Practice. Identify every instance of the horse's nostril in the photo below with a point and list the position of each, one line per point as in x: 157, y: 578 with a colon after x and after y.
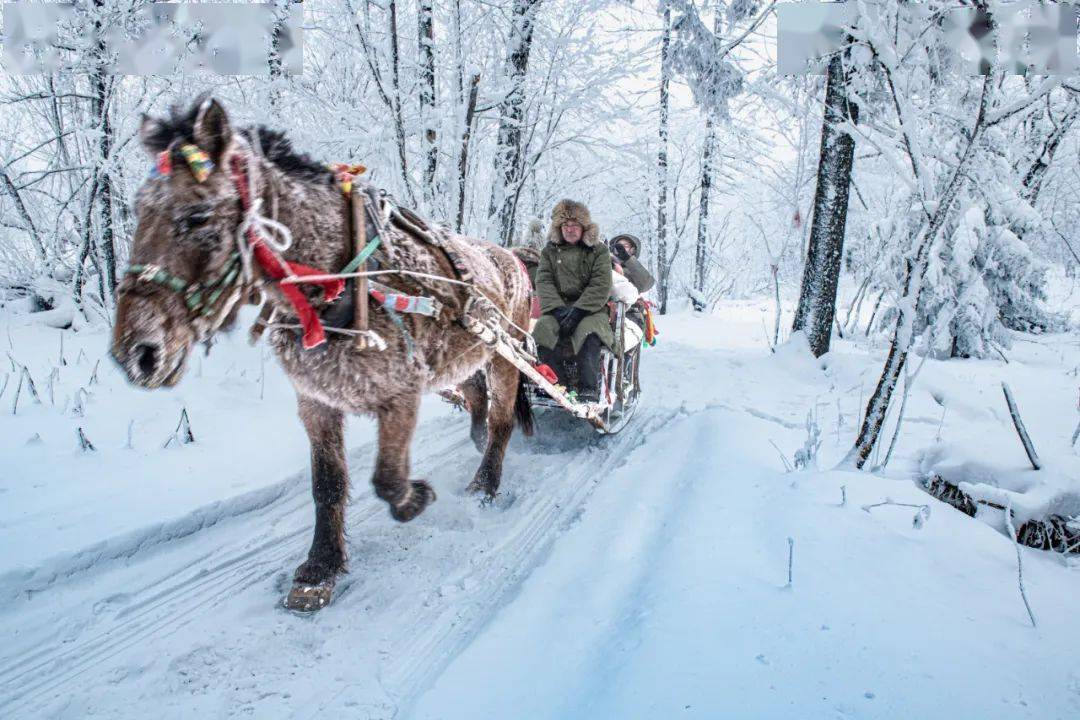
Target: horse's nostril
x: 146, y: 357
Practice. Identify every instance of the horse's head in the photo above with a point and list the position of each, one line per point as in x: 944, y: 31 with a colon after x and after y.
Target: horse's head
x: 185, y: 273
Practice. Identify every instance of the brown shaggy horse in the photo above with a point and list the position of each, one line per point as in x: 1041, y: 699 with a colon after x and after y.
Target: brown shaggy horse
x: 190, y: 228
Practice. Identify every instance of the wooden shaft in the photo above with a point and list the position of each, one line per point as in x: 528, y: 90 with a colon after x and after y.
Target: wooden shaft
x: 507, y: 350
x: 360, y: 289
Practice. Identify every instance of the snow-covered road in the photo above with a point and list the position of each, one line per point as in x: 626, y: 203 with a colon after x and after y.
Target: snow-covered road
x: 642, y: 575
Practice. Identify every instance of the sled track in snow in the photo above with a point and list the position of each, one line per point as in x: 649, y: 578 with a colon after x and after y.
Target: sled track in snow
x: 44, y: 666
x: 449, y: 627
x: 169, y: 602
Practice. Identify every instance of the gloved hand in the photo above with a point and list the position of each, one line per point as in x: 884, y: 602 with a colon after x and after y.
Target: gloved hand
x: 570, y: 321
x: 620, y: 252
x: 560, y: 312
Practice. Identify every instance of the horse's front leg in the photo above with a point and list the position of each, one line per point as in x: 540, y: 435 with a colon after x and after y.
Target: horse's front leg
x: 314, y: 580
x: 397, y: 423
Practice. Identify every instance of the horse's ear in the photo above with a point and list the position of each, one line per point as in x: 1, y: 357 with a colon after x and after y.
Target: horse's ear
x: 152, y: 134
x: 212, y: 132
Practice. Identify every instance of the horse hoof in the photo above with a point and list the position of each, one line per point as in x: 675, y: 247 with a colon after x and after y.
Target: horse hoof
x: 309, y: 598
x: 420, y: 496
x: 479, y: 486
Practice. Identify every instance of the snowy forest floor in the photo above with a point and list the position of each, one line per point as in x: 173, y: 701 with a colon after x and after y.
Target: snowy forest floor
x: 643, y: 575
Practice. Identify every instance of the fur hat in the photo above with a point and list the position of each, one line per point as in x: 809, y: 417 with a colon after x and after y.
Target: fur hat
x: 634, y: 242
x: 534, y: 235
x: 565, y: 210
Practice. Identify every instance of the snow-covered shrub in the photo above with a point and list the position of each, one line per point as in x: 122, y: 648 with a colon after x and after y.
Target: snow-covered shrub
x: 982, y: 281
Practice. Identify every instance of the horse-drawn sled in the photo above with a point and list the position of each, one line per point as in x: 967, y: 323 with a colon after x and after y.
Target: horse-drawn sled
x: 620, y: 387
x: 366, y: 306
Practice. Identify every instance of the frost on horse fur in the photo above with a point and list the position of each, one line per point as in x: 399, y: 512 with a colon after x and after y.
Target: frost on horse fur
x: 189, y: 230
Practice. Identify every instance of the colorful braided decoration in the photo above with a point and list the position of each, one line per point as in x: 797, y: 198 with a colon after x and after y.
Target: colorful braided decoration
x: 200, y: 163
x: 345, y: 174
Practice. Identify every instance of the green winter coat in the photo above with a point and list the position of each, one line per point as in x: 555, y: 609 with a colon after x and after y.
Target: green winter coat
x: 577, y: 275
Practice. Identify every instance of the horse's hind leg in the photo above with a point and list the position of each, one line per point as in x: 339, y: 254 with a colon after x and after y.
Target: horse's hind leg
x: 502, y: 381
x: 313, y: 581
x: 407, y: 498
x: 476, y: 394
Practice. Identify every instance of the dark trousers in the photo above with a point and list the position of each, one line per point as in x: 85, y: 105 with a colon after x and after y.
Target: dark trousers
x: 587, y: 362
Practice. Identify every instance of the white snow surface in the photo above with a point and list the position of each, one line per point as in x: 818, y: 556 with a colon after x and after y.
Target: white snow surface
x: 643, y: 575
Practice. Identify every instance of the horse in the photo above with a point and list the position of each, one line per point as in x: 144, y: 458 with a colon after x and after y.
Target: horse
x: 203, y: 246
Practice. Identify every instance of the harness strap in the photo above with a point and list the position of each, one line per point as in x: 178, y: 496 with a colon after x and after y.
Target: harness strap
x: 399, y: 302
x: 362, y: 256
x: 200, y: 298
x: 277, y: 269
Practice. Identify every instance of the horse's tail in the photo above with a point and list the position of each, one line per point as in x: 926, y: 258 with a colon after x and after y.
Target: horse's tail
x: 523, y: 409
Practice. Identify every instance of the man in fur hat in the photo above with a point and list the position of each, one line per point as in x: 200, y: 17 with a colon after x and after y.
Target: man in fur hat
x: 573, y: 282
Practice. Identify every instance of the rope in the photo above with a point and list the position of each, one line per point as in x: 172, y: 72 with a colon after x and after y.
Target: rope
x: 375, y: 338
x: 411, y: 273
x: 275, y: 235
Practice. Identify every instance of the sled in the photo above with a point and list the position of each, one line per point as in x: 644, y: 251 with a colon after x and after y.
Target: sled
x: 619, y: 385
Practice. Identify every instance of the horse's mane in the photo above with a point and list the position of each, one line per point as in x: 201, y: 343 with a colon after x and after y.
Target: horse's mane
x: 273, y: 144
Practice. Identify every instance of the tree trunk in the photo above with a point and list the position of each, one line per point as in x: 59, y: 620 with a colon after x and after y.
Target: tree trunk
x: 28, y: 220
x: 426, y: 51
x: 511, y: 114
x: 878, y: 406
x: 701, y: 247
x: 395, y: 79
x: 99, y: 109
x: 463, y: 156
x: 817, y: 299
x: 1033, y: 178
x: 276, y: 67
x: 663, y: 263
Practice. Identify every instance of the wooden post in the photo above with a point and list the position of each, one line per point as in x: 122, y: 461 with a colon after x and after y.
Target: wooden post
x: 360, y: 289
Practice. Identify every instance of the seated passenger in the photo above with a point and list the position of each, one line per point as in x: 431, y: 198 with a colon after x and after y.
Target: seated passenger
x: 573, y: 281
x: 624, y: 253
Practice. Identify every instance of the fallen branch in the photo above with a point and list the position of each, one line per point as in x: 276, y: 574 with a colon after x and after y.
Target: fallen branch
x: 1029, y: 448
x: 921, y: 516
x: 1052, y: 532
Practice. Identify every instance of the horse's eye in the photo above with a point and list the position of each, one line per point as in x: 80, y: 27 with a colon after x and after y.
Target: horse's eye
x: 193, y: 219
x: 194, y: 227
